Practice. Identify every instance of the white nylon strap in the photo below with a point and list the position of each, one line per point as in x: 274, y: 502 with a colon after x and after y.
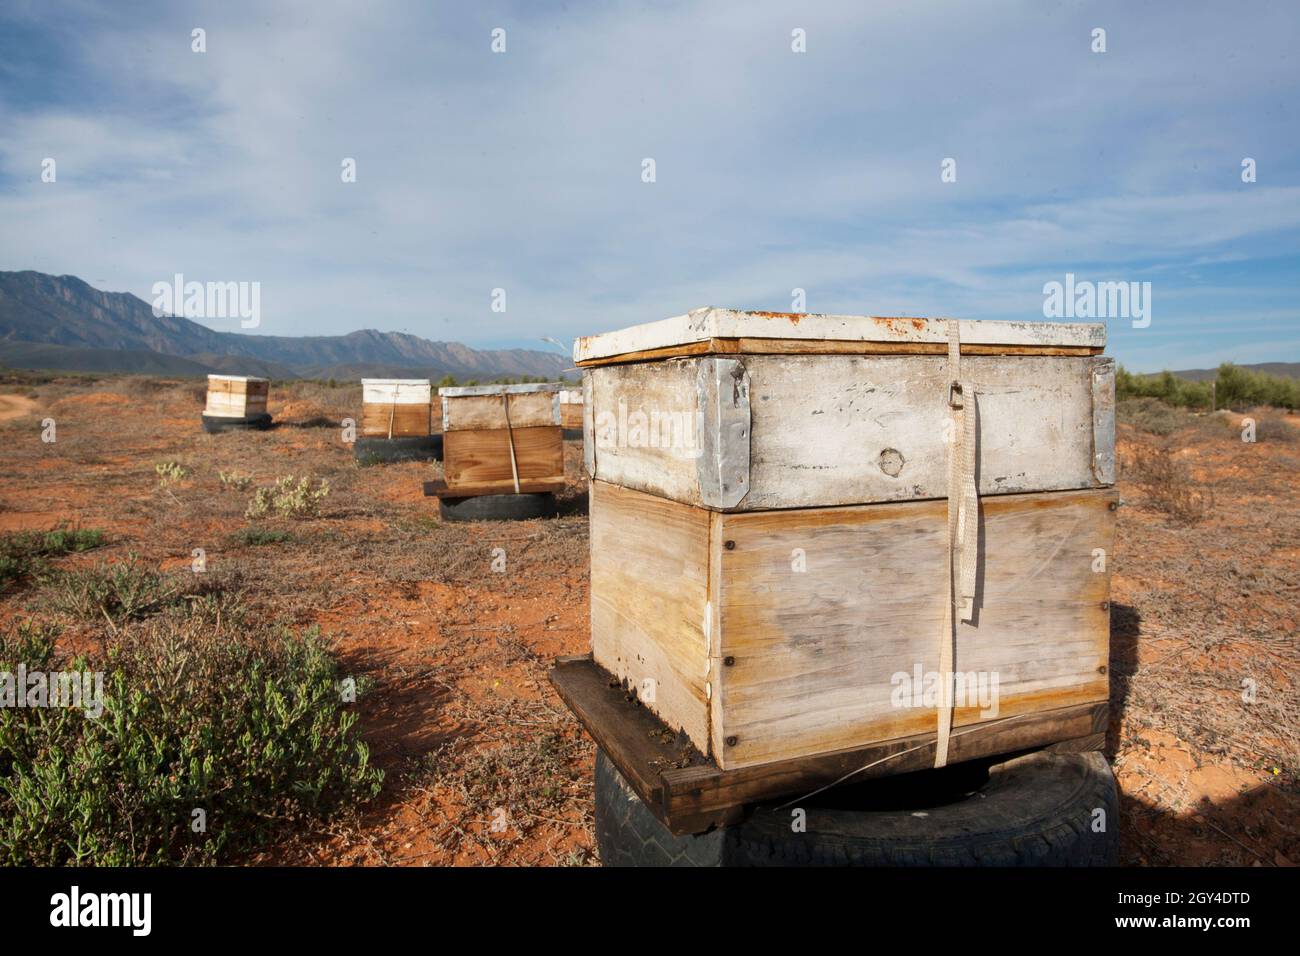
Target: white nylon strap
x: 963, y: 531
x: 510, y: 437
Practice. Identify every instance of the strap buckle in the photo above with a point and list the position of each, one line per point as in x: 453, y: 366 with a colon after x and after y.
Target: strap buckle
x: 955, y: 397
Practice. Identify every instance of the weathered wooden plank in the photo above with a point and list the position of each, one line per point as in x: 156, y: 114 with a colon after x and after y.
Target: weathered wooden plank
x: 649, y: 596
x: 482, y: 458
x: 838, y: 429
x: 405, y: 420
x: 702, y: 325
x: 646, y: 428
x: 692, y: 797
x: 816, y: 653
x: 636, y: 741
x: 477, y: 412
x: 798, y: 347
x: 571, y: 416
x: 396, y: 391
x: 690, y: 794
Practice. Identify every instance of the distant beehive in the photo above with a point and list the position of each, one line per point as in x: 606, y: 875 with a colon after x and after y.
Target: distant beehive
x: 396, y: 407
x: 571, y: 409
x: 502, y: 439
x: 236, y: 396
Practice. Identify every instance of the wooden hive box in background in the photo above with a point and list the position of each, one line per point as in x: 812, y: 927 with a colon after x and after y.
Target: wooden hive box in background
x: 502, y: 439
x: 571, y: 409
x: 236, y: 396
x: 769, y: 528
x: 396, y: 407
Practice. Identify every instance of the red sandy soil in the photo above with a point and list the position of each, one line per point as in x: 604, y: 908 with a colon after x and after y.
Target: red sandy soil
x: 458, y: 711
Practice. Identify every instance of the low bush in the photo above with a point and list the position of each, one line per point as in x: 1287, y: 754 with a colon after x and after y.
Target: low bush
x: 169, y: 472
x: 210, y: 740
x: 1152, y: 416
x: 289, y: 498
x: 235, y: 480
x: 1167, y: 483
x: 254, y: 537
x: 1232, y: 387
x: 26, y: 553
x: 1272, y: 427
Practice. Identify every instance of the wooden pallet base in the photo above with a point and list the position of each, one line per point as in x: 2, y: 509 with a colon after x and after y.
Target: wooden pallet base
x: 527, y: 486
x: 689, y: 794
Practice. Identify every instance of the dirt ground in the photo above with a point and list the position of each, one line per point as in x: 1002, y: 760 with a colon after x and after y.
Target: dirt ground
x: 450, y: 628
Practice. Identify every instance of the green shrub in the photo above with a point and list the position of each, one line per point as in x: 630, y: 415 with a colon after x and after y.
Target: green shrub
x: 1241, y: 388
x: 128, y: 591
x: 114, y: 592
x: 169, y: 472
x: 1233, y: 387
x: 25, y: 553
x: 259, y: 536
x: 288, y: 498
x: 234, y: 479
x: 247, y: 728
x: 1165, y: 386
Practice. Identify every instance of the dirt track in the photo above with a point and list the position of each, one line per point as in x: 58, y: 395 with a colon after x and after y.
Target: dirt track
x: 15, y: 406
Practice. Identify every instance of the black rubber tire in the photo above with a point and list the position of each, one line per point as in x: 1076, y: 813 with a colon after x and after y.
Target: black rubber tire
x: 1034, y: 810
x: 214, y: 425
x: 627, y: 834
x: 380, y: 450
x: 498, y: 507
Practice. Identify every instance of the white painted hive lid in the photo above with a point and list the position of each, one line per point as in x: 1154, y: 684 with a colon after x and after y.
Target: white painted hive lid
x: 398, y: 391
x: 236, y: 378
x: 461, y: 391
x: 700, y: 325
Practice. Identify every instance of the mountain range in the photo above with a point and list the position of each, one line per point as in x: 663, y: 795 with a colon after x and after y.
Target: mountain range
x: 61, y: 322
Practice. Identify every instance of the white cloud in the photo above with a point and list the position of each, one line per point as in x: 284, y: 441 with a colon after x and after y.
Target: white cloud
x: 775, y: 169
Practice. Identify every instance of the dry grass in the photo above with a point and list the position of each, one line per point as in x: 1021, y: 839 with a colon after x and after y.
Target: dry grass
x: 460, y: 712
x: 1153, y: 416
x: 1166, y: 482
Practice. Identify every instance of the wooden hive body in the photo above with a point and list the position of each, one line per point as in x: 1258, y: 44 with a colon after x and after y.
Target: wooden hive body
x: 502, y: 439
x: 396, y: 407
x: 571, y: 408
x: 769, y: 526
x: 236, y: 396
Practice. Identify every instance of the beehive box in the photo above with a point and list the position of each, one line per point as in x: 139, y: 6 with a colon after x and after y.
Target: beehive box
x: 236, y: 396
x: 571, y: 409
x: 502, y: 439
x: 396, y: 407
x: 770, y: 539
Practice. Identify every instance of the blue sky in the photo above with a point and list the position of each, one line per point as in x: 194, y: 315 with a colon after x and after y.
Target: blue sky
x: 774, y: 170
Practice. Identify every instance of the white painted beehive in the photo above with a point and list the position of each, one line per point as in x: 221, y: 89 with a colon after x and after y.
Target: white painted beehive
x: 396, y: 407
